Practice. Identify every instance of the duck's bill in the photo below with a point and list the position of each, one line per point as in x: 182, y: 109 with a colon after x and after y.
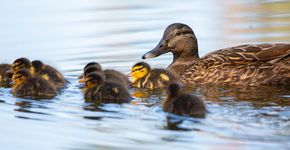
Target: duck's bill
x: 160, y: 49
x: 81, y: 79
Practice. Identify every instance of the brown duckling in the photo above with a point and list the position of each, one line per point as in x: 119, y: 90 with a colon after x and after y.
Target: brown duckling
x: 243, y: 65
x: 145, y: 77
x: 5, y: 77
x: 101, y: 91
x: 109, y: 74
x: 49, y: 73
x: 180, y: 103
x: 27, y: 86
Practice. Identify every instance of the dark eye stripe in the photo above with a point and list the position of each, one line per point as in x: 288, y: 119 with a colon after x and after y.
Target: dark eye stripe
x: 18, y: 76
x: 137, y: 69
x: 15, y: 66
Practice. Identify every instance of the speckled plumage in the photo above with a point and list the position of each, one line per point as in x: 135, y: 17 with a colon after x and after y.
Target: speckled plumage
x: 244, y: 65
x: 53, y: 75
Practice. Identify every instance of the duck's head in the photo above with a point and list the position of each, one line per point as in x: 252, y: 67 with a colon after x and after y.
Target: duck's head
x: 88, y: 70
x: 21, y: 63
x: 36, y: 66
x: 140, y: 70
x: 179, y: 39
x: 20, y: 76
x: 94, y: 79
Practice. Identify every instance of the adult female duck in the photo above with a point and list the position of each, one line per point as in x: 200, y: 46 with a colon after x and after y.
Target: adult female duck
x: 246, y: 65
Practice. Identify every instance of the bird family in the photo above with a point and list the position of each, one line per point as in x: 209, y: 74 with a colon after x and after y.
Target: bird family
x: 243, y: 65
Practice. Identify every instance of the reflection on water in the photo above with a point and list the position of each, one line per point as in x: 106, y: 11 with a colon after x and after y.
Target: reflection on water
x: 68, y: 34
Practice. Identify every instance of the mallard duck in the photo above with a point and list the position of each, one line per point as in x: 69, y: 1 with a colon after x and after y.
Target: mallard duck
x: 28, y: 86
x: 181, y: 103
x: 5, y: 78
x: 109, y: 74
x: 100, y: 91
x: 49, y: 73
x: 145, y: 77
x: 243, y: 65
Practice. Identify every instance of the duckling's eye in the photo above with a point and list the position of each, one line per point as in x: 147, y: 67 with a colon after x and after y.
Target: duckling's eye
x: 178, y: 33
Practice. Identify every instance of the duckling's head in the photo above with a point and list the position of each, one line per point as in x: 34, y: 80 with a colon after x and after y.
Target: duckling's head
x: 88, y: 70
x: 140, y: 70
x: 20, y: 76
x: 21, y: 63
x: 173, y: 89
x: 36, y: 66
x: 179, y: 39
x: 95, y: 64
x: 94, y: 79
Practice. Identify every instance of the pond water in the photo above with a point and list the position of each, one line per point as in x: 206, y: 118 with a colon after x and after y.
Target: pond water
x: 70, y: 33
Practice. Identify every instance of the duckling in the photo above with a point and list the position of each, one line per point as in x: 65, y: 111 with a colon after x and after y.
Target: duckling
x: 181, y: 103
x: 101, y: 91
x: 110, y: 74
x: 49, y: 73
x: 145, y: 77
x: 28, y: 86
x: 5, y: 78
x: 243, y: 65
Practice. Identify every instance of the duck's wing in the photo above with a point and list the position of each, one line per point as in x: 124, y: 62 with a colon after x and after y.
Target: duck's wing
x: 270, y: 53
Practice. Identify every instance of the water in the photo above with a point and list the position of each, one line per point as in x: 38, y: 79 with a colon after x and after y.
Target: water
x: 69, y: 33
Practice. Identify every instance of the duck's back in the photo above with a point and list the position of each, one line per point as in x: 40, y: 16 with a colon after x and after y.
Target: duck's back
x: 158, y: 78
x: 54, y: 75
x: 253, y: 65
x: 116, y: 76
x: 248, y: 54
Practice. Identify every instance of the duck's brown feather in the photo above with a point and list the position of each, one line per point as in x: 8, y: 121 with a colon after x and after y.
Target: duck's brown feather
x: 261, y: 64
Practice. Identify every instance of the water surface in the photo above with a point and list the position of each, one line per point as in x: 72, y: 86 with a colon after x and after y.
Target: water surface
x: 70, y: 33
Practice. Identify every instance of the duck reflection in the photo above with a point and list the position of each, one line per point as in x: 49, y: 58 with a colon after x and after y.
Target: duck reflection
x: 257, y: 96
x: 25, y: 107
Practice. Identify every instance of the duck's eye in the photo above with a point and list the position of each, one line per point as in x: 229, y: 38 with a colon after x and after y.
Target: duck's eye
x: 161, y: 45
x: 178, y: 33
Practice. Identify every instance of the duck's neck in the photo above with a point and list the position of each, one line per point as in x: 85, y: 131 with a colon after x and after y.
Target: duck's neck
x: 182, y: 61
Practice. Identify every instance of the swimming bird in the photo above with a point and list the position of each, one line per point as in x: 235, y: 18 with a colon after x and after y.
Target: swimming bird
x: 5, y: 78
x: 145, y: 77
x: 49, y: 73
x: 180, y: 103
x: 109, y: 74
x: 28, y: 86
x: 100, y: 91
x: 243, y: 65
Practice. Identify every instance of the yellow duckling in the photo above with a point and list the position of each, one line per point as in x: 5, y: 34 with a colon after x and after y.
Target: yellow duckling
x: 180, y: 103
x: 145, y: 77
x: 49, y: 73
x: 27, y: 86
x: 5, y: 78
x: 109, y: 74
x: 100, y: 91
